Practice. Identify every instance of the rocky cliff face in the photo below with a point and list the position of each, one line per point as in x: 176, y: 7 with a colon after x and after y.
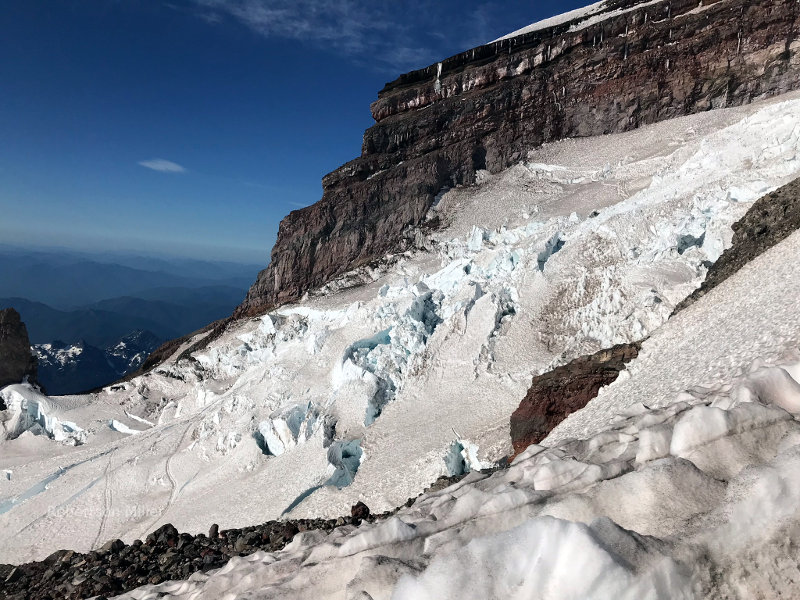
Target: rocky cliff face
x: 631, y: 64
x: 16, y: 360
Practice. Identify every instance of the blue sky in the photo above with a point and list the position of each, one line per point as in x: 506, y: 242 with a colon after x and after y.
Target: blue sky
x: 191, y: 127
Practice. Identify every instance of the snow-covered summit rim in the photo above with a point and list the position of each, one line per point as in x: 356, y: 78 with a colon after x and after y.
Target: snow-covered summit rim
x: 581, y: 18
x: 556, y: 20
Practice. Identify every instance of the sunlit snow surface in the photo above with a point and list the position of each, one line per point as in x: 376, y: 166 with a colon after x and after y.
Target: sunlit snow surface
x: 364, y: 393
x: 698, y: 499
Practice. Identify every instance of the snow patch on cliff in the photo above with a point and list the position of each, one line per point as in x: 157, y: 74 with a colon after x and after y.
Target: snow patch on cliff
x: 556, y: 20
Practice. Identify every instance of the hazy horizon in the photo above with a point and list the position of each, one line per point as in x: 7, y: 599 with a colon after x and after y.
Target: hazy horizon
x: 156, y: 249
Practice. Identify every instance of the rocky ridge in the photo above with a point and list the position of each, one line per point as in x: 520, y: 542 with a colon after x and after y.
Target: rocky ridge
x: 633, y: 63
x: 16, y: 359
x: 164, y: 555
x: 769, y: 221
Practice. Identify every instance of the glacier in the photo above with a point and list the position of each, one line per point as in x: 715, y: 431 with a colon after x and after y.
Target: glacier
x: 695, y: 499
x: 370, y: 392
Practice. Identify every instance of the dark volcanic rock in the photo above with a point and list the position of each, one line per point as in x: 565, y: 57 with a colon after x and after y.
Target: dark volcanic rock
x: 554, y: 395
x: 165, y: 555
x: 16, y: 359
x: 359, y: 511
x: 485, y: 108
x: 769, y: 221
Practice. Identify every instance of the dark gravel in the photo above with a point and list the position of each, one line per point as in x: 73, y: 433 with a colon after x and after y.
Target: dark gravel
x: 164, y: 555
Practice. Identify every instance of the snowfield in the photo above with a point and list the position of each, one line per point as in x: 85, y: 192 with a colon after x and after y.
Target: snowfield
x: 697, y: 499
x: 371, y: 392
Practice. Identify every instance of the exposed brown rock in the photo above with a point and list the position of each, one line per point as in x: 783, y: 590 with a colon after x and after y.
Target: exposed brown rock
x: 485, y: 108
x: 16, y: 359
x: 555, y: 395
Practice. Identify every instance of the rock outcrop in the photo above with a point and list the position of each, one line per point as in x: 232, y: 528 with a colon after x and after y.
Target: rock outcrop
x: 16, y: 360
x: 769, y: 221
x: 555, y: 395
x: 630, y: 64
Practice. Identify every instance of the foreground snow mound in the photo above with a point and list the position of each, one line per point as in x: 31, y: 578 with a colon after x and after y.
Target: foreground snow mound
x: 695, y: 500
x: 370, y: 393
x: 546, y: 558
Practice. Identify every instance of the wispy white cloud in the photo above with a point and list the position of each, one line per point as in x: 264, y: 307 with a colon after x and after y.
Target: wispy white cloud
x: 370, y: 31
x: 162, y: 166
x: 344, y: 23
x: 390, y: 36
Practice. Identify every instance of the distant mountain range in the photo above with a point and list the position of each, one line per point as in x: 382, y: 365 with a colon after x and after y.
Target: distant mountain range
x: 104, y: 323
x: 74, y: 368
x: 66, y: 280
x: 92, y: 321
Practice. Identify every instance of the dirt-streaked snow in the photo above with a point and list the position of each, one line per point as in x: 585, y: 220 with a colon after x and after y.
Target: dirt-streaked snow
x: 370, y: 392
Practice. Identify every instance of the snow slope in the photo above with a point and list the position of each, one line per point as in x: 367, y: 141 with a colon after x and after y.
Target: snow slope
x: 372, y: 392
x: 742, y: 327
x: 695, y: 499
